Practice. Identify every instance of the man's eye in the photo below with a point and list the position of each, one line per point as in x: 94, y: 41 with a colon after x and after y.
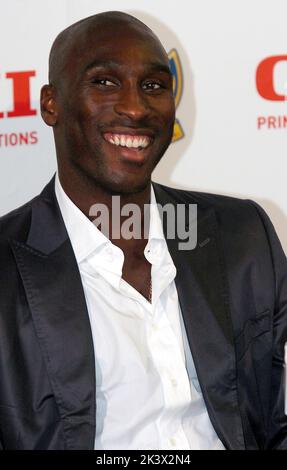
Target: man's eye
x: 150, y: 86
x: 104, y: 82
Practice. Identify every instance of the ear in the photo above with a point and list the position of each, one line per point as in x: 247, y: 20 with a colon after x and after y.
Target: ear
x: 49, y: 108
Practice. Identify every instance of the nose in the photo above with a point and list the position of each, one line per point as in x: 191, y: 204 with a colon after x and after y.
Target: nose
x: 132, y: 103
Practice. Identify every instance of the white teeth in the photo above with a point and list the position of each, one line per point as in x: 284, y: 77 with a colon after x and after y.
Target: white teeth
x: 135, y: 143
x: 129, y: 141
x: 143, y: 143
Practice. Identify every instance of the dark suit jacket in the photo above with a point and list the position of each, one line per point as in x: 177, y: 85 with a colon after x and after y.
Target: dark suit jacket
x: 233, y: 294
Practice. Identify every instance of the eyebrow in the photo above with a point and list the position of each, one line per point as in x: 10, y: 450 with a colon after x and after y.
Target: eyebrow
x: 153, y: 66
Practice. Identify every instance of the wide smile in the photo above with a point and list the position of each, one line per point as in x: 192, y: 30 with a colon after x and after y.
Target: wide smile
x: 127, y: 140
x: 130, y: 147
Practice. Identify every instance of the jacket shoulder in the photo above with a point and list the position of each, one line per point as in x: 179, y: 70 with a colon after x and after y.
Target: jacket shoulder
x: 16, y: 223
x: 204, y: 200
x: 234, y: 215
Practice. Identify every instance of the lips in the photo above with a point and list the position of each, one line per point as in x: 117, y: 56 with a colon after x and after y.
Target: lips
x: 131, y: 141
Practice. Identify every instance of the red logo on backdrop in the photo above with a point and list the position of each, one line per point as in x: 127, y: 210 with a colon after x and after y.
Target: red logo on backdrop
x: 264, y: 78
x: 266, y: 89
x: 21, y: 107
x: 21, y: 94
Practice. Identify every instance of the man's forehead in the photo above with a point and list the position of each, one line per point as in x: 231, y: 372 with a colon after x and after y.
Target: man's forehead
x: 103, y: 36
x: 124, y: 49
x: 116, y: 38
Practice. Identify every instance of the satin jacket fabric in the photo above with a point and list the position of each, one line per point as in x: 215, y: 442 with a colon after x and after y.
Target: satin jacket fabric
x: 233, y: 294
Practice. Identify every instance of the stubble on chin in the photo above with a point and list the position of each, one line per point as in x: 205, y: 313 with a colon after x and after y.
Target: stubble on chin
x: 109, y: 183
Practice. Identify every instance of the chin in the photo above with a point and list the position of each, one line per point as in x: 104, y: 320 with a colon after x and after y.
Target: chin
x: 124, y: 185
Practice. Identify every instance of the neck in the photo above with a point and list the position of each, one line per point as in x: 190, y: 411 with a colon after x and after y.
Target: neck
x: 87, y: 196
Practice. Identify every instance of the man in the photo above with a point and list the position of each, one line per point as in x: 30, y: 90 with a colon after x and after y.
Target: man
x: 134, y: 343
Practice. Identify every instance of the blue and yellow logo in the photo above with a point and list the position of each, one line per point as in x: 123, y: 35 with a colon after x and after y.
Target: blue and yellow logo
x: 176, y: 70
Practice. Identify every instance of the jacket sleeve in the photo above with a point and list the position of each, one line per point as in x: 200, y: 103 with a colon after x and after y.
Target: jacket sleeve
x: 277, y: 428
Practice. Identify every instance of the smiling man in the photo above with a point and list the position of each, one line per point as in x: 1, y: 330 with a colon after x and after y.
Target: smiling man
x: 111, y: 106
x: 119, y: 342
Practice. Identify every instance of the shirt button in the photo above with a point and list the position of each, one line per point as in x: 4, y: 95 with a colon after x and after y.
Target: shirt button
x: 154, y: 327
x: 148, y: 255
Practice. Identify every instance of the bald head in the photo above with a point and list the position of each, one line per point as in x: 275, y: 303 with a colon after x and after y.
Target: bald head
x: 76, y: 36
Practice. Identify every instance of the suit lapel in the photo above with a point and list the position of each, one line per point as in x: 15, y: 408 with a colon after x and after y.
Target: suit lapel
x: 55, y: 295
x: 203, y: 295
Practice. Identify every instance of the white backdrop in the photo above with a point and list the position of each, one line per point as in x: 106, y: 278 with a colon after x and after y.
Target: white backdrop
x: 232, y: 113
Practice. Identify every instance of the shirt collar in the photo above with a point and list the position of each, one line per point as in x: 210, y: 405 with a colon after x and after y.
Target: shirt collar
x: 155, y: 227
x: 85, y: 237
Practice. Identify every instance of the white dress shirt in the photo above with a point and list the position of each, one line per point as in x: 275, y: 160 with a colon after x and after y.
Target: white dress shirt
x: 147, y: 392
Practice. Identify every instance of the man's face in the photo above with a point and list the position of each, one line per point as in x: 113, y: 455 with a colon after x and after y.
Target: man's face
x: 115, y: 108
